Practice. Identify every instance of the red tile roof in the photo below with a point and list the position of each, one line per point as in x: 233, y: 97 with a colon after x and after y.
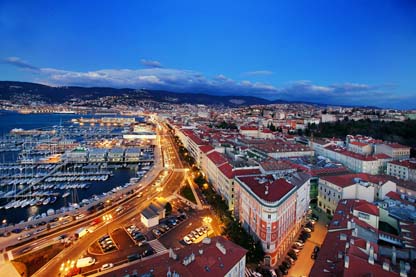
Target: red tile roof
x: 349, y: 179
x: 217, y: 158
x: 266, y: 188
x: 367, y: 208
x: 405, y: 163
x: 248, y: 171
x: 358, y: 143
x: 212, y: 262
x: 206, y: 148
x: 248, y: 128
x: 393, y: 195
x: 227, y: 170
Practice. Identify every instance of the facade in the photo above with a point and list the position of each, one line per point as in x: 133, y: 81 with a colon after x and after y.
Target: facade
x: 360, y: 147
x: 371, y: 164
x: 151, y: 215
x: 402, y: 169
x: 97, y: 155
x: 266, y: 208
x: 132, y: 155
x: 78, y: 155
x: 115, y: 155
x: 394, y: 150
x: 332, y: 189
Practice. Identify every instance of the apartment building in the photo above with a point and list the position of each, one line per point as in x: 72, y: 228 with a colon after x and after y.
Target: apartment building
x: 394, y: 150
x: 402, y: 169
x: 332, y: 189
x: 267, y: 208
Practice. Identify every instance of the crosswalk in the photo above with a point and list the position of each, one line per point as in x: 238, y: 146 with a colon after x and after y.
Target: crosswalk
x: 251, y: 273
x: 157, y: 246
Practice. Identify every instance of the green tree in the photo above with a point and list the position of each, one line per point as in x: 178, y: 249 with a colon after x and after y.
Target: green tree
x: 168, y: 208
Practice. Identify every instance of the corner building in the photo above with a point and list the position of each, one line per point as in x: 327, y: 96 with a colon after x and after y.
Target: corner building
x: 266, y: 207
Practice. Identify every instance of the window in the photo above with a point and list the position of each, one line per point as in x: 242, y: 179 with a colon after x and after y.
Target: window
x: 269, y: 216
x: 363, y: 215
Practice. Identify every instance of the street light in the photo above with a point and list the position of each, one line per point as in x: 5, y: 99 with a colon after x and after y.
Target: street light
x: 4, y: 224
x: 207, y: 221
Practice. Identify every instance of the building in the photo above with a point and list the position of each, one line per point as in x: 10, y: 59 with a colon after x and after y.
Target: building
x: 331, y: 189
x: 78, y: 155
x: 402, y: 169
x: 266, y: 208
x: 356, y: 245
x: 371, y: 164
x: 394, y: 150
x: 97, y: 155
x: 360, y: 147
x: 215, y: 256
x: 151, y: 215
x: 116, y: 155
x: 132, y: 154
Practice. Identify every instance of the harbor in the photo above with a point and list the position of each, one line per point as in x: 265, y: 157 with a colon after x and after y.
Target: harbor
x: 62, y: 167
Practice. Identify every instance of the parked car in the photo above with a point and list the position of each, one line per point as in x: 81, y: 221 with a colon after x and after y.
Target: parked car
x: 314, y: 255
x: 187, y: 240
x: 316, y: 249
x: 290, y: 260
x: 292, y: 255
x: 287, y: 264
x: 106, y: 266
x: 307, y: 230
x: 156, y: 232
x: 283, y: 269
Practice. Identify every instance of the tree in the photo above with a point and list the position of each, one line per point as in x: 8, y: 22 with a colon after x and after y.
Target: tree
x: 168, y: 208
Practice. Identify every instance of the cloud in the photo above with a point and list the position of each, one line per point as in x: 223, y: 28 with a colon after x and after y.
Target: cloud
x: 258, y: 73
x: 16, y: 61
x: 150, y: 63
x: 182, y: 80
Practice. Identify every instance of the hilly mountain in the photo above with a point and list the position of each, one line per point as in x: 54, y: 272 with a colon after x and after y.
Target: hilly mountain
x: 10, y: 90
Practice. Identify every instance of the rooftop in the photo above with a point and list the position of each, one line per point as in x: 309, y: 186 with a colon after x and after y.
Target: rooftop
x: 266, y: 187
x: 208, y: 260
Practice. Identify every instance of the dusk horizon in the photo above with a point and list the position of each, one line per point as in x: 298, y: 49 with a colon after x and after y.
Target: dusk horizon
x: 333, y: 53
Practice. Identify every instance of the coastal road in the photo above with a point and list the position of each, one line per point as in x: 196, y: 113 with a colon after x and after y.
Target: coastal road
x: 166, y: 189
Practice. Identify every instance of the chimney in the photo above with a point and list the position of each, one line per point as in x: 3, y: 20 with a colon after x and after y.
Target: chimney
x: 394, y: 256
x: 346, y: 261
x: 371, y: 256
x: 367, y: 247
x: 386, y: 266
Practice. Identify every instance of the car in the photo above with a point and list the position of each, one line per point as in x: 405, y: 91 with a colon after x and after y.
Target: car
x: 17, y: 231
x: 307, y: 230
x: 148, y: 252
x: 292, y: 255
x: 314, y: 255
x: 316, y: 249
x: 195, y: 233
x: 156, y: 232
x: 283, y: 269
x: 25, y: 236
x: 287, y: 264
x: 187, y: 240
x: 28, y: 227
x: 173, y: 221
x: 165, y: 227
x: 273, y: 273
x: 201, y: 231
x: 290, y: 260
x: 296, y: 251
x: 103, y: 238
x: 298, y: 244
x: 106, y: 266
x: 295, y: 246
x: 314, y: 217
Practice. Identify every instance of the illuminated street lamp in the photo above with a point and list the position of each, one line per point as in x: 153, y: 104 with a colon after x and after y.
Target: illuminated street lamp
x: 207, y: 221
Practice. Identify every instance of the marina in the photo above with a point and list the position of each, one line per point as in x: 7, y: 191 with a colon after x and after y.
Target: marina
x: 60, y: 168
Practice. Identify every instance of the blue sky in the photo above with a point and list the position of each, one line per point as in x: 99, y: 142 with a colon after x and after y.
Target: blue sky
x: 337, y: 52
